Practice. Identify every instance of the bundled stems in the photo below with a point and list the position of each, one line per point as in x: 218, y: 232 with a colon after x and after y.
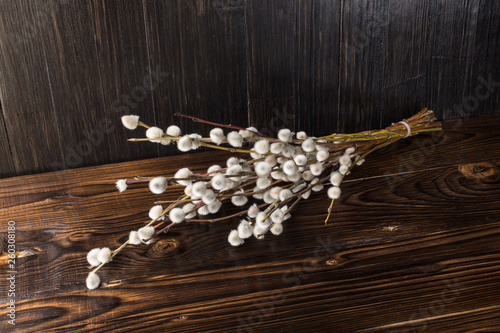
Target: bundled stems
x: 266, y: 187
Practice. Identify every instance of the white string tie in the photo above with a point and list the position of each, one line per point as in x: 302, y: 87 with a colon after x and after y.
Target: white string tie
x: 407, y: 128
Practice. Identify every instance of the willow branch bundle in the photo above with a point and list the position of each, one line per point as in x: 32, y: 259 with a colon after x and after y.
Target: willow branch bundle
x: 266, y: 186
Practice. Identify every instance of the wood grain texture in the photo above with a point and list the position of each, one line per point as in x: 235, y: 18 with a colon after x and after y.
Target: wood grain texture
x: 453, y: 57
x: 317, y: 69
x: 483, y: 52
x: 361, y: 64
x: 7, y: 165
x: 30, y: 125
x: 409, y: 55
x: 201, y: 44
x: 69, y: 45
x: 271, y: 64
x: 412, y: 250
x: 69, y: 69
x: 126, y: 74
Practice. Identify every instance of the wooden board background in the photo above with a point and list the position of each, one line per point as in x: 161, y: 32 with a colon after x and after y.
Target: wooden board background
x: 70, y: 69
x: 412, y: 246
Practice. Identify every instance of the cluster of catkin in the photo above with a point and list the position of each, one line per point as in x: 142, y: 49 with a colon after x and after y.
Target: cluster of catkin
x: 266, y: 179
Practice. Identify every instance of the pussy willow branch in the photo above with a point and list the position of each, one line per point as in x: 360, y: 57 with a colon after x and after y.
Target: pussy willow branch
x: 328, y: 159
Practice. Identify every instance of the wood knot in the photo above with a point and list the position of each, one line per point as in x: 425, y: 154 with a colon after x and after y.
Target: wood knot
x: 332, y: 262
x: 163, y: 247
x: 484, y: 171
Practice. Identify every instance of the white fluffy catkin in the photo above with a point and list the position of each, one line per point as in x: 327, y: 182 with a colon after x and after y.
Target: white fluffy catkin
x: 93, y: 281
x: 153, y: 133
x: 183, y: 173
x: 92, y: 257
x: 218, y: 181
x: 146, y: 233
x: 176, y: 215
x: 234, y: 239
x: 245, y: 230
x: 173, y: 131
x: 121, y: 185
x: 130, y: 121
x: 277, y: 229
x: 104, y: 254
x: 158, y: 185
x: 134, y: 238
x: 155, y: 212
x: 217, y: 135
x: 334, y: 192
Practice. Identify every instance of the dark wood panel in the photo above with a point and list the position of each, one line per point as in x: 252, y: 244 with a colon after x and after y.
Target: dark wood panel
x: 406, y: 58
x: 362, y: 64
x: 317, y: 66
x: 70, y: 54
x: 6, y: 164
x: 219, y: 58
x: 201, y: 44
x: 127, y: 76
x: 409, y: 55
x: 453, y: 34
x: 485, y: 61
x: 421, y: 255
x: 29, y: 123
x: 271, y: 31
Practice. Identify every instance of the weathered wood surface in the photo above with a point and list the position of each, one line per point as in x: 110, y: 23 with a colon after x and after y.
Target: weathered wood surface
x: 70, y: 69
x: 412, y: 246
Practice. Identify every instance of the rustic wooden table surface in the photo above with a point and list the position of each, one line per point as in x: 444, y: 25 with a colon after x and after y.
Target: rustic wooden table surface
x: 413, y: 245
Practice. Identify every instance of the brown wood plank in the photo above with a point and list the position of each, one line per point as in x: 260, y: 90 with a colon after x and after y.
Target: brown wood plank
x: 427, y: 152
x: 127, y: 80
x: 219, y: 30
x: 419, y: 255
x: 70, y: 54
x: 30, y: 134
x: 201, y: 44
x: 271, y: 31
x: 6, y: 165
x: 461, y: 142
x: 317, y: 68
x: 464, y: 50
x: 404, y: 56
x: 484, y: 55
x: 362, y: 64
x: 404, y: 28
x: 456, y: 29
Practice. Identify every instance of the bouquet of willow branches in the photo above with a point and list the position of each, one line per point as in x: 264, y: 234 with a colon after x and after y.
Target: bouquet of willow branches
x: 267, y: 185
